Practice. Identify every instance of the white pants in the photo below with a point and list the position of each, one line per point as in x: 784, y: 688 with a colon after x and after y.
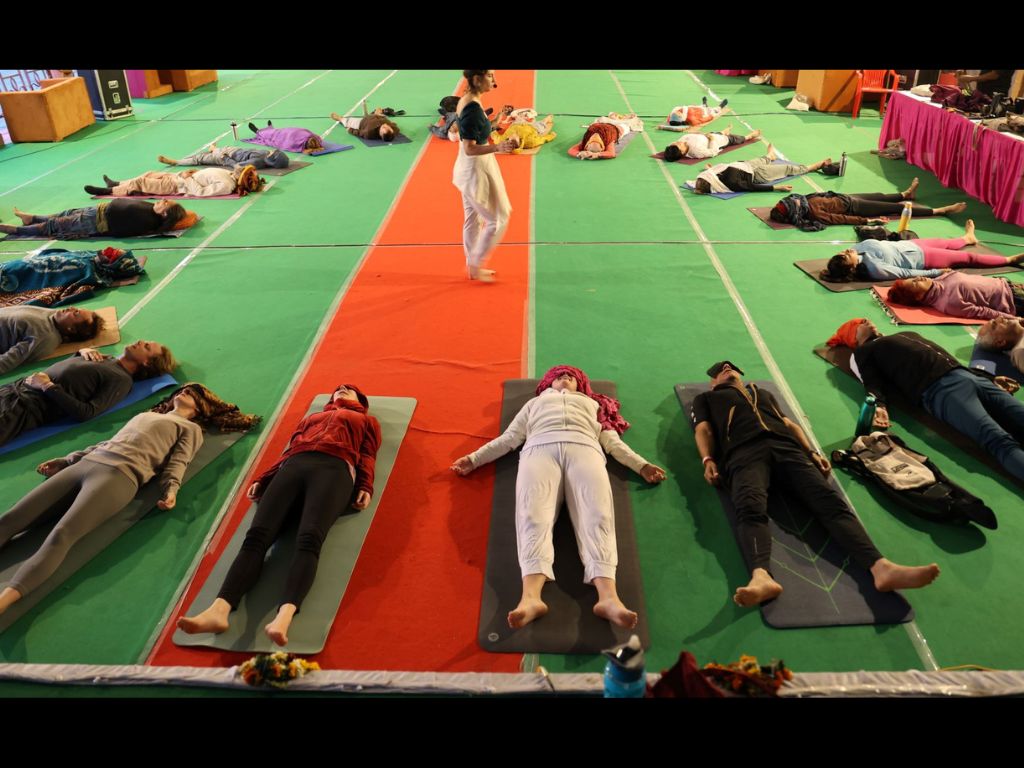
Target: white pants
x: 482, y: 229
x: 578, y: 474
x: 352, y: 122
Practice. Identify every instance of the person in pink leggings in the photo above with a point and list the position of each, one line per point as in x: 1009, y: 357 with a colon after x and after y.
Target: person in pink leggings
x: 896, y: 259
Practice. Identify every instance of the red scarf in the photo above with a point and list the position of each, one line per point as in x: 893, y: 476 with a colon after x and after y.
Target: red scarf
x: 608, y: 407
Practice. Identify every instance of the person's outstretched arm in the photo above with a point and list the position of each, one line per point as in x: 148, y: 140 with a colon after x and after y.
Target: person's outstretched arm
x: 616, y: 447
x: 177, y: 462
x: 507, y: 441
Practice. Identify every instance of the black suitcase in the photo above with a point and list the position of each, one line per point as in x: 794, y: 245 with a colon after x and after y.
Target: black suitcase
x: 108, y: 92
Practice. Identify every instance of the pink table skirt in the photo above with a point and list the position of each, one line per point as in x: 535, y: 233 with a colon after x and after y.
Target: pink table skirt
x: 736, y: 72
x: 985, y: 164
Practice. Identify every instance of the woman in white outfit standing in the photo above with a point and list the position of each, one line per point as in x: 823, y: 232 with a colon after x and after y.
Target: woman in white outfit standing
x: 478, y: 178
x: 567, y: 429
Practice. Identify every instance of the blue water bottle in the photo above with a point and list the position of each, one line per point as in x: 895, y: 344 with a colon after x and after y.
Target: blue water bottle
x: 624, y: 674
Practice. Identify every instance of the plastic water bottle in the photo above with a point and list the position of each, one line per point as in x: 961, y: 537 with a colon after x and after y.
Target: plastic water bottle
x: 624, y: 674
x: 905, y: 217
x: 866, y: 419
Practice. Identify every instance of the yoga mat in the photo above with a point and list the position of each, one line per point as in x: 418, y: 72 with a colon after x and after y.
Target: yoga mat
x: 235, y: 196
x: 696, y: 160
x: 293, y: 165
x: 822, y: 586
x: 688, y: 186
x: 903, y: 314
x: 399, y: 139
x: 996, y: 363
x: 570, y: 625
x: 620, y: 145
x: 764, y: 214
x: 23, y: 547
x: 111, y: 334
x: 139, y: 391
x: 108, y: 236
x: 308, y: 632
x: 811, y: 268
x: 840, y: 358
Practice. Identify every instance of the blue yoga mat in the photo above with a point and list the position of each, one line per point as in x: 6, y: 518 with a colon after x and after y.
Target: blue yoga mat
x: 140, y: 391
x: 996, y: 363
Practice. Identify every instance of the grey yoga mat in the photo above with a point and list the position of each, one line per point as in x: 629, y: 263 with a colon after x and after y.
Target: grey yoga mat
x: 840, y: 357
x: 812, y: 268
x: 570, y: 625
x: 23, y: 547
x: 822, y: 586
x: 309, y: 630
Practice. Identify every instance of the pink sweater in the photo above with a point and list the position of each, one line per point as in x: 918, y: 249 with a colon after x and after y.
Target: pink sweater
x: 975, y: 296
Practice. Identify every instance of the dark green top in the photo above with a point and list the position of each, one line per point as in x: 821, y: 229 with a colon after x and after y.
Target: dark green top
x: 473, y: 123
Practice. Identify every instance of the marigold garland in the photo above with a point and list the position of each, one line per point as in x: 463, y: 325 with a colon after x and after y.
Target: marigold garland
x: 748, y: 678
x: 276, y: 669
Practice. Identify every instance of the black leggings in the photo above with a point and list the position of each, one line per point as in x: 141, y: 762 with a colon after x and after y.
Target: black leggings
x: 321, y: 486
x: 881, y: 204
x: 754, y: 467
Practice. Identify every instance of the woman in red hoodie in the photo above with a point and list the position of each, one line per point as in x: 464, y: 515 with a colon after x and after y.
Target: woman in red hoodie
x: 328, y: 464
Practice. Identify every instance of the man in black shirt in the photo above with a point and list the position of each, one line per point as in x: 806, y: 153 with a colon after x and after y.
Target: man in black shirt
x: 921, y: 372
x: 82, y: 386
x: 118, y: 218
x: 747, y: 442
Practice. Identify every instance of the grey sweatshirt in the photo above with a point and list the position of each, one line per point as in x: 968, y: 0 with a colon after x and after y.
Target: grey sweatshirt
x: 147, y: 443
x: 26, y: 334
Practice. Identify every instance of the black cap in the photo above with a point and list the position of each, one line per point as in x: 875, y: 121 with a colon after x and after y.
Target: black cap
x: 716, y: 369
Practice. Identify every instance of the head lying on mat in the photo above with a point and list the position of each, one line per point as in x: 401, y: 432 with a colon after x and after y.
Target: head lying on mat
x: 328, y: 464
x: 99, y: 481
x: 118, y: 218
x: 1004, y: 334
x: 906, y: 365
x: 80, y: 387
x: 743, y: 436
x: 603, y: 134
x: 565, y: 432
x: 923, y: 257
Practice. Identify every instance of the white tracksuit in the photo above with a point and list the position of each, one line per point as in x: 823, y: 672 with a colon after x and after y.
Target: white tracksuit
x: 563, y: 457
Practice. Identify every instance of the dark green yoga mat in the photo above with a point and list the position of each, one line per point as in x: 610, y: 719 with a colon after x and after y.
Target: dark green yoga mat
x: 822, y: 586
x: 309, y: 630
x: 570, y: 625
x: 23, y: 547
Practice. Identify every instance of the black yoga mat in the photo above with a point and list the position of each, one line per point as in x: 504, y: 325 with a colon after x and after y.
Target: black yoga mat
x: 570, y: 625
x: 822, y: 586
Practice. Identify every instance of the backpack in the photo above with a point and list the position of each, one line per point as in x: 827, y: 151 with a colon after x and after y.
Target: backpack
x: 913, y: 480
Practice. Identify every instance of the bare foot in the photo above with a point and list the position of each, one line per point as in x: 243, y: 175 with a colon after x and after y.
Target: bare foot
x: 618, y: 614
x: 529, y: 609
x: 969, y: 237
x: 755, y: 134
x: 762, y: 587
x: 954, y: 208
x: 26, y: 218
x: 213, y: 619
x: 277, y: 630
x: 336, y: 117
x: 727, y: 131
x: 8, y: 598
x: 770, y: 154
x: 166, y: 160
x: 889, y: 576
x: 911, y: 192
x: 481, y: 274
x: 1017, y: 258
